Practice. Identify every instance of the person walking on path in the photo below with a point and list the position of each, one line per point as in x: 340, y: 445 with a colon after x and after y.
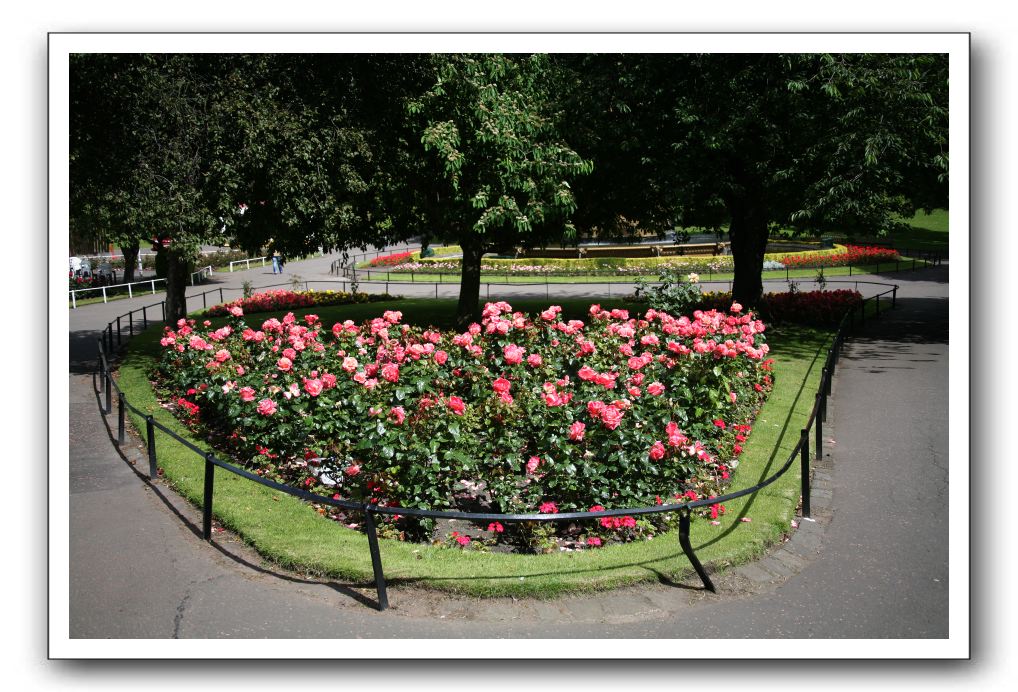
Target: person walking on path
x: 277, y: 262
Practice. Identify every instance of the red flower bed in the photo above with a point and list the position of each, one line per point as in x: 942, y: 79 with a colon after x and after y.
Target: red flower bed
x: 813, y: 308
x: 269, y: 301
x: 856, y: 255
x: 390, y: 260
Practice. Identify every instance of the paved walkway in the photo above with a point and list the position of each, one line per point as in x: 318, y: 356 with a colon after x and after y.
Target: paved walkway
x: 874, y: 565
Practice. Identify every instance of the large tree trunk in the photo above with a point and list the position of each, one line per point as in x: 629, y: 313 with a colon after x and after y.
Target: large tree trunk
x: 176, y: 283
x: 748, y: 233
x: 130, y: 260
x: 468, y: 309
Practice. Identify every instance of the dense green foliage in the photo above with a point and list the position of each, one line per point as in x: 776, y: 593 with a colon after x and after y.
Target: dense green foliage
x: 501, y: 151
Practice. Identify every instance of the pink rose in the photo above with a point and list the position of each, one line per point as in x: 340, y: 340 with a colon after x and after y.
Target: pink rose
x: 266, y: 407
x: 352, y: 470
x: 397, y: 414
x: 222, y: 355
x: 594, y: 408
x: 441, y: 357
x: 349, y: 364
x: 548, y: 508
x: 314, y: 386
x: 611, y: 417
x: 576, y: 431
x: 390, y: 372
x: 457, y: 405
x: 587, y: 373
x: 534, y: 360
x: 533, y: 464
x: 247, y: 394
x: 329, y: 380
x: 655, y: 389
x: 501, y: 385
x: 657, y: 451
x: 513, y: 354
x: 284, y: 364
x: 236, y: 311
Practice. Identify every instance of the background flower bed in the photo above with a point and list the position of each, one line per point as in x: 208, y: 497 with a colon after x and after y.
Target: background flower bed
x: 287, y: 532
x: 515, y: 415
x: 279, y: 300
x: 614, y: 266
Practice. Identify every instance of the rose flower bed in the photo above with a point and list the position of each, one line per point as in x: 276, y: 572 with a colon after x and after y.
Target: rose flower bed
x: 812, y: 308
x: 515, y: 415
x: 270, y: 301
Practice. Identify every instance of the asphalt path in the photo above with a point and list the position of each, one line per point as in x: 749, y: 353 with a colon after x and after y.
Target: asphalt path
x: 873, y: 565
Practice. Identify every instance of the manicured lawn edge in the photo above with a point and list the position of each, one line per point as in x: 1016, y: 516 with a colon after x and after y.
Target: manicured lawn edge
x: 288, y: 532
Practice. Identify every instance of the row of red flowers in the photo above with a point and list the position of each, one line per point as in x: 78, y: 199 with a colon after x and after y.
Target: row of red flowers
x: 280, y: 300
x: 390, y: 260
x: 855, y: 255
x: 516, y: 414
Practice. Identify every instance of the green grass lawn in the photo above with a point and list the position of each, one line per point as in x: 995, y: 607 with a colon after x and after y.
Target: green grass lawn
x: 290, y: 533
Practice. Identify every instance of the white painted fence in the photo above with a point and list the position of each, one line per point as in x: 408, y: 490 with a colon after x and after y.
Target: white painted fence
x: 148, y: 286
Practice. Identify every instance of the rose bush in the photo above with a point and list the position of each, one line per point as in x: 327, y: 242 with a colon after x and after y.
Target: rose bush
x: 517, y: 414
x: 278, y: 300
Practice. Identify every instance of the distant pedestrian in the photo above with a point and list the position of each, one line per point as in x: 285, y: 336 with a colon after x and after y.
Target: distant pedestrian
x: 277, y: 265
x: 282, y: 262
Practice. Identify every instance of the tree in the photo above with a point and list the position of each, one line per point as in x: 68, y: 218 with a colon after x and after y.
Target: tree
x: 99, y: 203
x: 811, y: 142
x: 488, y: 125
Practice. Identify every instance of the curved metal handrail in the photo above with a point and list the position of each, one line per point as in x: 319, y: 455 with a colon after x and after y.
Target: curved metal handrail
x: 816, y: 418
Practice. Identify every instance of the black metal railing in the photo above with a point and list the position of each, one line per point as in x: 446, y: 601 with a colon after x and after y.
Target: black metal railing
x: 855, y: 318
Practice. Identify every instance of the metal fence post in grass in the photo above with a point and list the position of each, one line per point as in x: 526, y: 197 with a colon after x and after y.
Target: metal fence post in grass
x: 130, y: 323
x: 121, y: 410
x: 109, y: 391
x: 150, y: 435
x: 687, y: 548
x: 821, y: 417
x: 206, y: 516
x: 119, y: 339
x: 894, y: 297
x: 376, y: 560
x: 804, y: 470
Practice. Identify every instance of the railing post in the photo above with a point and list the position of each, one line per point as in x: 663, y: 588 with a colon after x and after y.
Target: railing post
x: 687, y: 548
x: 130, y: 323
x: 206, y: 516
x: 878, y: 304
x: 121, y: 410
x: 109, y: 390
x: 894, y: 297
x: 119, y: 340
x: 153, y: 286
x: 376, y: 560
x: 130, y: 292
x: 804, y: 471
x: 821, y: 417
x: 144, y: 316
x: 150, y: 435
x: 221, y: 299
x: 104, y: 294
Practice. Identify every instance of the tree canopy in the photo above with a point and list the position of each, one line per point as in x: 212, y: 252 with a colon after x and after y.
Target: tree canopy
x: 497, y: 152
